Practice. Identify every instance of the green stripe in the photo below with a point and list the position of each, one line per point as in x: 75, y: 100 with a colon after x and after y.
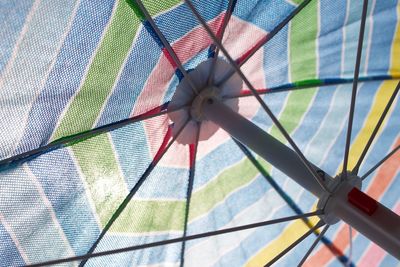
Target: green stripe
x: 99, y: 168
x: 303, y: 66
x: 311, y: 82
x: 95, y: 156
x: 218, y: 189
x: 147, y: 216
x: 303, y: 33
x: 86, y: 106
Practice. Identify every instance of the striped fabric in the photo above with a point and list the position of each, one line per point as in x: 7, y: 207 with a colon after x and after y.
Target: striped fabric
x: 72, y: 67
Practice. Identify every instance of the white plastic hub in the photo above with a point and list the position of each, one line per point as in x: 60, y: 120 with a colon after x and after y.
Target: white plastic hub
x: 328, y: 201
x: 192, y: 102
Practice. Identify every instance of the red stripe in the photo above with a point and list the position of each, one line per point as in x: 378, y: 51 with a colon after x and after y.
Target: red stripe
x: 192, y: 154
x: 169, y: 58
x: 247, y: 92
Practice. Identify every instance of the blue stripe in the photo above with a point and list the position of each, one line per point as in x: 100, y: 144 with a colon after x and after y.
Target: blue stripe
x: 264, y: 14
x: 8, y: 250
x: 23, y: 83
x: 255, y: 241
x: 67, y: 197
x: 67, y: 73
x: 276, y: 62
x: 385, y: 21
x: 224, y: 212
x: 330, y: 38
x: 14, y: 14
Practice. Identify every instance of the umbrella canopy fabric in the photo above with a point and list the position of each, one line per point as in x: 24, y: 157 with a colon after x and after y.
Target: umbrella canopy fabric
x: 86, y: 144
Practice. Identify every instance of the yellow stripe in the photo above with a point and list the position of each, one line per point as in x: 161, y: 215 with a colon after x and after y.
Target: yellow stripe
x: 395, y: 64
x: 290, y: 234
x: 381, y: 98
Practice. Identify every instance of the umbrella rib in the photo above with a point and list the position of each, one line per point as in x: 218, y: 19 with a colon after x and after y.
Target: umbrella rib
x: 267, y: 38
x: 378, y: 125
x: 227, y: 17
x: 295, y: 243
x: 351, y: 245
x: 179, y: 239
x: 305, y: 84
x: 133, y: 191
x: 259, y: 99
x: 380, y: 163
x: 189, y: 192
x: 354, y: 90
x: 275, y: 31
x: 314, y: 244
x: 286, y: 197
x: 65, y: 141
x: 167, y: 45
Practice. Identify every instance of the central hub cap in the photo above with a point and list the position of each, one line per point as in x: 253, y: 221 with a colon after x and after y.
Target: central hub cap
x: 189, y: 101
x: 337, y: 187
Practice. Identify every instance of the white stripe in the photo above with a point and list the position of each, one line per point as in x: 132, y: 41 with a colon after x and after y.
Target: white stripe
x: 290, y: 2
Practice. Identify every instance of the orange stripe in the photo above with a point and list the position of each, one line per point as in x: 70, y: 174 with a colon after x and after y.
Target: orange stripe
x: 377, y: 188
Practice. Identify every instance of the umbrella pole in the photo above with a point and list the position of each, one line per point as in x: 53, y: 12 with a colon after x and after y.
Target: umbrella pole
x: 345, y: 201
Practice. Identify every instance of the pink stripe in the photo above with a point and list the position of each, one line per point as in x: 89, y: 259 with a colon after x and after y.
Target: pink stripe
x: 186, y: 48
x: 374, y: 254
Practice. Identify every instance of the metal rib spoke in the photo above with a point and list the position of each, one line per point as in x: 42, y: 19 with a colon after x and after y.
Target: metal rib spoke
x: 295, y: 243
x: 350, y: 246
x: 316, y: 241
x: 354, y: 90
x: 376, y: 129
x: 65, y: 141
x: 189, y: 193
x: 259, y: 99
x: 227, y: 17
x: 276, y: 30
x: 267, y: 38
x: 380, y: 162
x: 180, y: 239
x: 167, y: 45
x: 128, y: 198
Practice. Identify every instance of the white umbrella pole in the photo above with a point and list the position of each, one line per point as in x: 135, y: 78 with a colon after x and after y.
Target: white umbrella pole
x: 346, y: 202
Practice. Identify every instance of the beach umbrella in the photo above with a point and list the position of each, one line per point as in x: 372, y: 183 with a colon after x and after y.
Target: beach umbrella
x: 199, y: 133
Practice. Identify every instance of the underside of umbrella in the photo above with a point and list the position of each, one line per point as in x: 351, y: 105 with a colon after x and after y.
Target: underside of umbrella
x: 133, y: 133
